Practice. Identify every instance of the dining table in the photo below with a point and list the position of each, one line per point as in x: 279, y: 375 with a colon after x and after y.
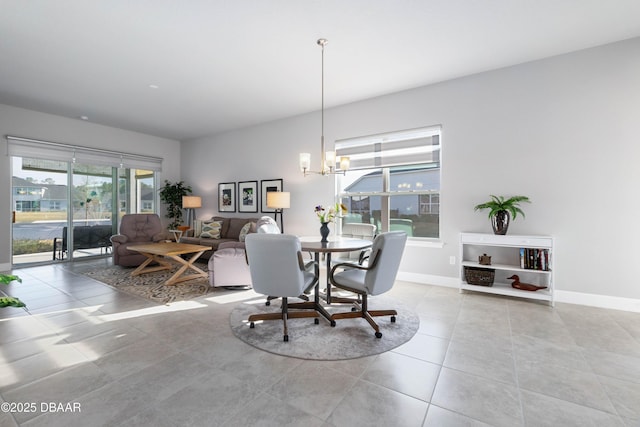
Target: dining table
x: 335, y: 244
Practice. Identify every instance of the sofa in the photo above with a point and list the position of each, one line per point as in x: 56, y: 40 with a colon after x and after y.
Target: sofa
x: 212, y: 232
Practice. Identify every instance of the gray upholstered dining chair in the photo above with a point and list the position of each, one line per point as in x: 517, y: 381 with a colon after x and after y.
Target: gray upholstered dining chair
x: 373, y: 279
x: 356, y: 231
x: 278, y: 270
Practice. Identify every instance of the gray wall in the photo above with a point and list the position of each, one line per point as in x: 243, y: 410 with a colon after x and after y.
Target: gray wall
x: 31, y: 124
x: 562, y: 131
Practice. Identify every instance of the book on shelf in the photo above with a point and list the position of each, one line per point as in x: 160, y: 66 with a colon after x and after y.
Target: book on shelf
x: 534, y: 259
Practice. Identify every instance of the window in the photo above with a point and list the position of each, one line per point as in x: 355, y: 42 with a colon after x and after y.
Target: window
x: 394, y: 181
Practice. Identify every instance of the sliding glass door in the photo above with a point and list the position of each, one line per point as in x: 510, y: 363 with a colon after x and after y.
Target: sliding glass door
x: 66, y: 210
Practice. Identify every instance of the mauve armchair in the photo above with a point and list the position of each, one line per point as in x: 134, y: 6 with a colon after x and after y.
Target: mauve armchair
x: 136, y: 229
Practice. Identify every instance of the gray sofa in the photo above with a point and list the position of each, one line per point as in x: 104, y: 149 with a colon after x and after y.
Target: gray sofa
x: 229, y: 232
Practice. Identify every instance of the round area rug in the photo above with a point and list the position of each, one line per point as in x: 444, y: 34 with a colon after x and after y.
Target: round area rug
x: 349, y: 339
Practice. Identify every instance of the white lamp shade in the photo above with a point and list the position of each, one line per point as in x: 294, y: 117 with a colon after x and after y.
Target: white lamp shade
x: 278, y: 199
x: 344, y: 163
x: 191, y: 202
x: 330, y: 158
x: 305, y: 161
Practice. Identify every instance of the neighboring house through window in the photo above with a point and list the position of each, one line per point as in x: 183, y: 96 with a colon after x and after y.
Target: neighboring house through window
x: 394, y: 181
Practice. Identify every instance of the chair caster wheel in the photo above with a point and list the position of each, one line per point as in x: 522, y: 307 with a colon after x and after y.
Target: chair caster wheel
x: 286, y: 338
x: 393, y: 319
x: 268, y: 303
x: 378, y: 334
x: 333, y: 323
x: 316, y: 321
x: 252, y: 325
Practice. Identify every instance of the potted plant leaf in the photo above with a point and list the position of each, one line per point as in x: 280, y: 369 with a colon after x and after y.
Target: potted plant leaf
x: 10, y: 301
x: 502, y: 210
x: 171, y: 194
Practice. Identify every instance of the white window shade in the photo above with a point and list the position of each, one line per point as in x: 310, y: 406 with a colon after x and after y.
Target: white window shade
x: 25, y: 147
x: 415, y: 146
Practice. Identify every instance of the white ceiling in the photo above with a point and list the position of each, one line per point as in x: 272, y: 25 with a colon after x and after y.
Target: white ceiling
x: 227, y: 64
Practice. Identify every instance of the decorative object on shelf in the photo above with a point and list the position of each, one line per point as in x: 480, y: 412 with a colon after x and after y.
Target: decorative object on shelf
x: 517, y: 284
x: 324, y: 232
x: 484, y: 259
x: 279, y: 200
x: 190, y: 204
x: 227, y: 197
x: 479, y: 276
x: 501, y: 210
x: 172, y: 194
x: 328, y: 158
x: 266, y: 186
x: 248, y: 192
x: 10, y: 301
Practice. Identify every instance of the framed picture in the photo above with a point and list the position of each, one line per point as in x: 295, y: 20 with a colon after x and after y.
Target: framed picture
x: 248, y: 196
x: 227, y: 197
x: 266, y: 186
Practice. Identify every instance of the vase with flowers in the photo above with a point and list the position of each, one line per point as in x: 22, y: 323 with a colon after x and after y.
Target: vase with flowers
x: 326, y: 216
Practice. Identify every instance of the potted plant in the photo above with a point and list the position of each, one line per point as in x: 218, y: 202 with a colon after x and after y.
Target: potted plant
x: 171, y: 194
x: 501, y: 210
x: 10, y: 301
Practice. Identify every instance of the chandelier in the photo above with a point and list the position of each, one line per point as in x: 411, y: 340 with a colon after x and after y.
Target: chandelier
x: 327, y: 158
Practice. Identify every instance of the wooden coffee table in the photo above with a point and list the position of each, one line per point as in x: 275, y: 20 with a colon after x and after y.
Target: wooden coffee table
x: 157, y: 252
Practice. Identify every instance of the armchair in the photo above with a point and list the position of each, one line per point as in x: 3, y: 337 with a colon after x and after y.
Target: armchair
x: 278, y: 270
x: 135, y: 229
x: 374, y: 279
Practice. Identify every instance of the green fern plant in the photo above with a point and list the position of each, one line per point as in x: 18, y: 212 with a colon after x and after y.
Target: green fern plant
x: 499, y: 203
x: 10, y: 301
x: 501, y: 211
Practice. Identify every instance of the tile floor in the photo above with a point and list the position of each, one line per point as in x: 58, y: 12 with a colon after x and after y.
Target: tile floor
x: 477, y: 360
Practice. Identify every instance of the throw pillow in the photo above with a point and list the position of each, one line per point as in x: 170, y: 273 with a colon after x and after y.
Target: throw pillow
x: 211, y: 229
x: 248, y: 228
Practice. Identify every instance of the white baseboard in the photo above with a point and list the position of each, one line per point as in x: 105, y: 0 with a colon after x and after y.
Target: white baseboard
x: 592, y: 300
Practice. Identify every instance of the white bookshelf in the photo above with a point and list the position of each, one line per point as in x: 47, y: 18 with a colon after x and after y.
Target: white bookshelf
x: 505, y: 260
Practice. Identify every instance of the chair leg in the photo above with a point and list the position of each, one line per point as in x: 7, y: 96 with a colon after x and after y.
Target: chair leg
x: 284, y: 314
x: 367, y: 315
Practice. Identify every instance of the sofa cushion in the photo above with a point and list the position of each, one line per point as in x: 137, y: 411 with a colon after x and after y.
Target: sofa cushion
x: 235, y: 226
x: 211, y: 229
x: 249, y: 227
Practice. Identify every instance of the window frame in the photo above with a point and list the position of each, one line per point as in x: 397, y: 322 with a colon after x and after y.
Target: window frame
x: 386, y: 193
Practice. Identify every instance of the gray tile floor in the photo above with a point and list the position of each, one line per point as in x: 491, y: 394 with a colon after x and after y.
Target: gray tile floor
x: 477, y: 360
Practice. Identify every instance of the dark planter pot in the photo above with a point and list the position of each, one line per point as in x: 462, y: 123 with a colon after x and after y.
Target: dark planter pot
x: 324, y: 231
x: 500, y: 222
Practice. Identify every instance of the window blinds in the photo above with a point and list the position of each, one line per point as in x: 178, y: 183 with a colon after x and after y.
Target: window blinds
x: 408, y: 147
x: 25, y: 147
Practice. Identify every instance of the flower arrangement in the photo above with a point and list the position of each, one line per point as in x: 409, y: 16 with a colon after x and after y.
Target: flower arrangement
x: 328, y: 215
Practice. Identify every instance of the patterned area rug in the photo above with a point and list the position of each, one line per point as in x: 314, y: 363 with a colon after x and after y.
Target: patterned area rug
x: 349, y: 339
x: 151, y: 285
